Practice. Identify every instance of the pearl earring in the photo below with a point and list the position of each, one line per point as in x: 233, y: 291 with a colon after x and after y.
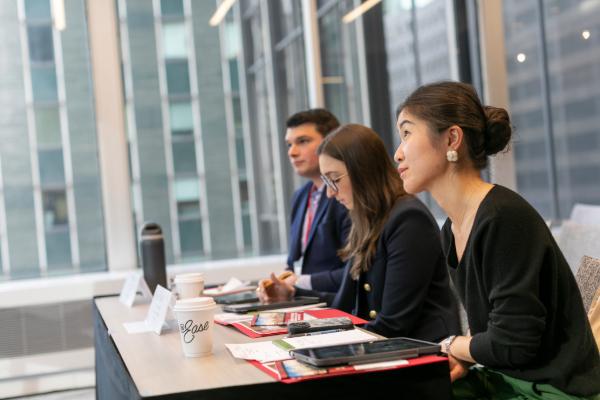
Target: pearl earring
x: 452, y: 155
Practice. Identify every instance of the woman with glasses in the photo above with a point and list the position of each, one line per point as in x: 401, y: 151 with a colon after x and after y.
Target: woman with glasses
x: 395, y: 276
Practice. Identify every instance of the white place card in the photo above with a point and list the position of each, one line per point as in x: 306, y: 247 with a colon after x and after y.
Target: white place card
x: 134, y: 282
x: 141, y: 326
x: 157, y: 313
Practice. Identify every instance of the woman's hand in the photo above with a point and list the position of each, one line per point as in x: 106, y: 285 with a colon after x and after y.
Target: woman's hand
x: 458, y: 368
x: 278, y: 291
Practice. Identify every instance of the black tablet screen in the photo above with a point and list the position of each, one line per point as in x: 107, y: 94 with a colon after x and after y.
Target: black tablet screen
x: 248, y: 297
x: 357, y: 349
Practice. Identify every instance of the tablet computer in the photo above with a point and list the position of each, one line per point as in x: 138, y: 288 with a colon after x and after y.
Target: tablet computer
x: 295, y: 302
x: 364, y: 353
x: 237, y: 298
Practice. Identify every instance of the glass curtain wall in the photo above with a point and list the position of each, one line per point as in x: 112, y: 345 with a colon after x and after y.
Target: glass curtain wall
x: 241, y: 169
x: 205, y: 111
x: 144, y: 118
x: 266, y: 134
x: 420, y: 44
x: 289, y: 76
x: 342, y: 62
x: 183, y: 162
x: 50, y: 206
x: 262, y: 76
x: 51, y: 178
x: 421, y: 48
x: 553, y: 62
x: 183, y: 144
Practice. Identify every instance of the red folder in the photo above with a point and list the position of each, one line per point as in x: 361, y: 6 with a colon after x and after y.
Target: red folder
x: 411, y: 363
x: 331, y: 313
x: 319, y: 314
x: 249, y: 332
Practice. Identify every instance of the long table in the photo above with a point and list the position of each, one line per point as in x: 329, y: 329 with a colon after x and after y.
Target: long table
x: 140, y: 365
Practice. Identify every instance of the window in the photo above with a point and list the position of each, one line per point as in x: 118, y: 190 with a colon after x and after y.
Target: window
x: 189, y: 216
x: 184, y: 157
x: 51, y: 212
x: 178, y: 77
x: 58, y: 251
x: 171, y: 7
x: 55, y: 208
x: 43, y: 82
x: 340, y: 62
x: 180, y: 118
x: 47, y: 126
x: 205, y: 111
x: 558, y: 142
x: 40, y: 43
x: 174, y: 42
x: 52, y: 169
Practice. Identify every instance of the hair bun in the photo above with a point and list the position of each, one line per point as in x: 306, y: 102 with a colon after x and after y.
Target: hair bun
x: 498, y: 130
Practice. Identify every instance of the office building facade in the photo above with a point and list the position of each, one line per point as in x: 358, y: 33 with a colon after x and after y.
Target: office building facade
x: 205, y: 110
x: 50, y: 208
x: 553, y: 65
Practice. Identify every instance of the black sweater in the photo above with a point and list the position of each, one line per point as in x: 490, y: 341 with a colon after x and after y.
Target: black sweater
x: 406, y: 291
x: 523, y: 305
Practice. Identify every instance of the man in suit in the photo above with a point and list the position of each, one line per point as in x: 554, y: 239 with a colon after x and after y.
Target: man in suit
x: 319, y: 225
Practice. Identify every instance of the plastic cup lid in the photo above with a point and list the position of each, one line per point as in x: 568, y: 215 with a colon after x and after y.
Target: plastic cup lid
x: 191, y: 277
x: 193, y: 304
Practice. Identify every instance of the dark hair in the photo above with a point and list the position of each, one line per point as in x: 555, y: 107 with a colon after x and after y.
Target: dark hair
x: 487, y: 130
x: 376, y: 187
x: 324, y: 121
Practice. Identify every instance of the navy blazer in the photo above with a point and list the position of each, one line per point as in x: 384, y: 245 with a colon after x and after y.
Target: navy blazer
x: 328, y: 232
x: 406, y: 292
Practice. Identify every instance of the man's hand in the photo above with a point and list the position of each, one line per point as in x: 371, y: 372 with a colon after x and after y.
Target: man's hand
x: 292, y: 279
x: 458, y: 368
x: 278, y: 291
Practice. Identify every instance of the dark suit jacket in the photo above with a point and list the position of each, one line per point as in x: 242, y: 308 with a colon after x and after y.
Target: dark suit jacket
x: 328, y: 233
x: 406, y: 292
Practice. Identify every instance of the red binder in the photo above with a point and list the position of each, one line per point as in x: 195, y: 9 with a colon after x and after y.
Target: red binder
x: 319, y: 314
x: 411, y: 363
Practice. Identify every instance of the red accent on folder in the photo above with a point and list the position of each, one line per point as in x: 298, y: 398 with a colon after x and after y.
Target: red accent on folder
x: 331, y: 313
x: 254, y: 335
x: 411, y: 363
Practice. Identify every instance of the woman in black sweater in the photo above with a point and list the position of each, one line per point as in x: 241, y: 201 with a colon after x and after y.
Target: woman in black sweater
x: 396, y: 276
x: 528, y: 326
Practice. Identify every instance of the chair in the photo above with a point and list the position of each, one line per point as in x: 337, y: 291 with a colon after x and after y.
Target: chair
x: 586, y: 214
x: 594, y: 316
x: 577, y: 239
x: 588, y: 280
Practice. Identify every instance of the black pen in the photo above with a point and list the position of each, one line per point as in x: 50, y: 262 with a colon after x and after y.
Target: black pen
x: 315, y: 333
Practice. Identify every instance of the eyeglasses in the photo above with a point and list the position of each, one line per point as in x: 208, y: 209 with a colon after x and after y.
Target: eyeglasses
x: 331, y: 182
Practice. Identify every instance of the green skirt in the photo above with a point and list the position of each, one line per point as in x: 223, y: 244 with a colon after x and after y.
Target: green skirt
x: 483, y: 383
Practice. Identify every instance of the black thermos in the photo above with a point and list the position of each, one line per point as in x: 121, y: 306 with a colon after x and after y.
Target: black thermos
x: 152, y: 251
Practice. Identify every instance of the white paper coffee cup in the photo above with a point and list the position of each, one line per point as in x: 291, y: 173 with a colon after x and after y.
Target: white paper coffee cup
x: 189, y: 285
x: 195, y: 318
